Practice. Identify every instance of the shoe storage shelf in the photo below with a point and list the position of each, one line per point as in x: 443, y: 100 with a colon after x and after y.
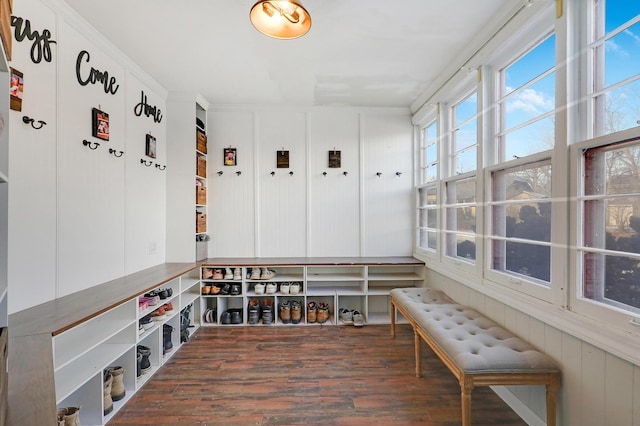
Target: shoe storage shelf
x: 139, y: 334
x: 240, y: 295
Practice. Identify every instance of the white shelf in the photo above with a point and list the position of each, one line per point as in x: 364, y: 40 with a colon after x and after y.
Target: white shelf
x: 404, y: 276
x: 187, y: 298
x: 335, y: 277
x: 75, y: 374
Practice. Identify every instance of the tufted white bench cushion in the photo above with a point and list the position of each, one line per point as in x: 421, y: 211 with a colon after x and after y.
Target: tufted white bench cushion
x: 477, y: 350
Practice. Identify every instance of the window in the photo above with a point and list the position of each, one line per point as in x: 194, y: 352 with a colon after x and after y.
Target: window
x: 610, y: 205
x: 464, y: 135
x: 460, y: 214
x: 615, y: 59
x: 427, y: 237
x: 521, y: 221
x: 526, y: 103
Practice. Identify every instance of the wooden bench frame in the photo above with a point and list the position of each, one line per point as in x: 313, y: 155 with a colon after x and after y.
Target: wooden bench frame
x: 468, y: 381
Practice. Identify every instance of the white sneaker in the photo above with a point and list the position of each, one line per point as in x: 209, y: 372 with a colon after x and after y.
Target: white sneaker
x: 237, y: 274
x: 294, y: 288
x: 284, y: 288
x: 272, y: 288
x: 255, y: 274
x: 259, y: 288
x: 267, y: 274
x: 228, y: 275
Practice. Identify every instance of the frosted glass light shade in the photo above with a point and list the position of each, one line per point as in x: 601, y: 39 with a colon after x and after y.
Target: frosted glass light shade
x: 283, y: 19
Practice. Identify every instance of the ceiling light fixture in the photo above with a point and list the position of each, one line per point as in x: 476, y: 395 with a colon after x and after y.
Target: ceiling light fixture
x: 283, y: 19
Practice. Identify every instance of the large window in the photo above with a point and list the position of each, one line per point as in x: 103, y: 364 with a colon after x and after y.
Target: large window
x: 429, y: 153
x: 610, y: 205
x: 615, y: 60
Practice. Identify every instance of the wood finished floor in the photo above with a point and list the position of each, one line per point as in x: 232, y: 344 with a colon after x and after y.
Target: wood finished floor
x: 305, y: 376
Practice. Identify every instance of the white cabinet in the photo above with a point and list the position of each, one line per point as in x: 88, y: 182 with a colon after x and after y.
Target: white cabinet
x: 82, y: 352
x: 363, y: 287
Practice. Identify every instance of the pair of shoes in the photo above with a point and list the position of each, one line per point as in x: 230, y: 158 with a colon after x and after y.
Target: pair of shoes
x: 261, y: 274
x: 68, y: 416
x: 144, y: 364
x: 209, y: 315
x: 290, y: 312
x: 322, y: 315
x: 290, y: 288
x: 143, y: 305
x: 217, y: 274
x: 168, y: 307
x: 167, y: 344
x: 150, y: 300
x: 231, y: 316
x: 118, y: 390
x: 146, y: 322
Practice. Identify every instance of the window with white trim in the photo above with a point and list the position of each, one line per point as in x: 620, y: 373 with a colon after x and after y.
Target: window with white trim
x: 614, y: 56
x: 427, y: 193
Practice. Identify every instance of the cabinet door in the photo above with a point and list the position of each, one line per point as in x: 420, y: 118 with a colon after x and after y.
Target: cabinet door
x: 145, y: 231
x: 90, y: 181
x: 32, y: 164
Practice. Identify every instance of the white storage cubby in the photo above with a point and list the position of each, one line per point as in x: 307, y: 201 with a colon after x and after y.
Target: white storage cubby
x: 364, y: 288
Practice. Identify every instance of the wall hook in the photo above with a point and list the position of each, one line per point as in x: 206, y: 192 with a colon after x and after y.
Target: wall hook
x: 158, y: 166
x: 91, y: 145
x: 220, y: 172
x: 238, y: 173
x: 345, y: 173
x: 143, y: 161
x: 379, y: 174
x: 324, y: 174
x: 29, y: 120
x: 272, y: 173
x: 398, y: 173
x: 291, y: 173
x: 117, y: 154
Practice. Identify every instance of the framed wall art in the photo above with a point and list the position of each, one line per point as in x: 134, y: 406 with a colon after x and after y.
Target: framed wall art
x: 230, y: 157
x: 150, y: 146
x: 100, y: 124
x: 334, y: 159
x: 282, y: 160
x: 16, y: 90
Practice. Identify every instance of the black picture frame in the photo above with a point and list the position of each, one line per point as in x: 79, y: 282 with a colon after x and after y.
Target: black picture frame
x: 150, y: 146
x: 99, y: 124
x: 230, y: 157
x: 335, y: 159
x: 282, y: 159
x: 16, y: 89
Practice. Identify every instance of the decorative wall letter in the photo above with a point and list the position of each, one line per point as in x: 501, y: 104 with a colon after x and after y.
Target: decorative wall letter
x: 148, y: 110
x: 41, y: 47
x: 95, y: 76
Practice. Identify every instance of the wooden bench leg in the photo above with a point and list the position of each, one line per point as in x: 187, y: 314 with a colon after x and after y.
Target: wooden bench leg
x: 393, y: 320
x: 552, y: 389
x: 466, y: 387
x: 416, y: 345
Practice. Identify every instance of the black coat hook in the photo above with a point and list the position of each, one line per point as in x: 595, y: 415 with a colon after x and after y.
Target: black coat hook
x: 290, y: 173
x: 398, y: 173
x: 379, y: 174
x: 238, y: 173
x: 345, y: 173
x: 91, y: 145
x: 158, y: 166
x: 115, y: 153
x: 324, y: 174
x: 272, y: 173
x: 220, y: 172
x: 143, y: 161
x: 29, y: 120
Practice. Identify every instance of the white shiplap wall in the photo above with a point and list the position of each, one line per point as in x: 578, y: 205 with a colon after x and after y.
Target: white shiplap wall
x: 310, y: 214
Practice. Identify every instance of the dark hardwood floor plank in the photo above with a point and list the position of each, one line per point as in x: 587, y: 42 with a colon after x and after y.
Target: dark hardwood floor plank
x: 305, y: 376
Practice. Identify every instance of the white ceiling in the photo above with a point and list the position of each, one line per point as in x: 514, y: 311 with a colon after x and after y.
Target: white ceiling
x: 358, y: 52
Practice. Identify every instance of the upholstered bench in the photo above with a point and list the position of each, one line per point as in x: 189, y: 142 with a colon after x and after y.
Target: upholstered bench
x: 476, y: 350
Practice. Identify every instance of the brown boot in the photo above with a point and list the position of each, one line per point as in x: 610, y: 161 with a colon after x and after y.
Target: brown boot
x: 68, y: 416
x: 117, y: 386
x: 108, y: 402
x: 323, y: 313
x: 285, y: 312
x: 296, y: 312
x: 312, y: 310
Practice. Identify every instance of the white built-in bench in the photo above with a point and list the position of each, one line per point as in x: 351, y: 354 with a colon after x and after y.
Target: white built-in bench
x: 478, y: 351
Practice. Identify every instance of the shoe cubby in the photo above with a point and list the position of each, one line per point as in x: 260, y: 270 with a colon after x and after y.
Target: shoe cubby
x: 378, y: 309
x: 330, y: 300
x: 210, y: 311
x: 351, y: 303
x: 278, y: 273
x: 90, y: 398
x: 336, y: 279
x: 382, y: 279
x: 153, y: 343
x: 173, y: 336
x: 128, y: 362
x: 232, y: 304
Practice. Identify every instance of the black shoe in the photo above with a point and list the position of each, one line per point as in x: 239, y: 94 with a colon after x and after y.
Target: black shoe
x: 225, y: 318
x: 235, y: 289
x: 226, y: 289
x: 236, y: 316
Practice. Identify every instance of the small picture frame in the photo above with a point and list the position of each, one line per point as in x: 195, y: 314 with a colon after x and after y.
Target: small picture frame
x: 334, y: 159
x: 100, y: 124
x: 16, y: 90
x: 282, y: 159
x: 230, y: 157
x: 150, y: 146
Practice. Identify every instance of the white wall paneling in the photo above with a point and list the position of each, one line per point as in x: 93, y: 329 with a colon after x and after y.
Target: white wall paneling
x: 334, y: 199
x: 32, y: 164
x: 145, y: 202
x: 90, y: 182
x: 282, y: 197
x: 387, y: 198
x: 231, y: 198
